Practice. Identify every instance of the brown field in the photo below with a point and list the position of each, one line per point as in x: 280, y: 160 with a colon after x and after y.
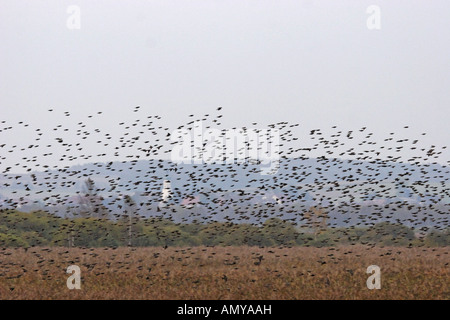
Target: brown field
x: 225, y: 273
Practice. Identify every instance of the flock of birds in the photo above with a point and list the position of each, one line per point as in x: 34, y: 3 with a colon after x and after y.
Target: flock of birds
x: 133, y: 160
x: 55, y: 164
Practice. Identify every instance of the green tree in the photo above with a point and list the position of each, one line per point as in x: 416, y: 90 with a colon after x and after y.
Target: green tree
x: 389, y: 234
x: 438, y: 238
x: 280, y: 231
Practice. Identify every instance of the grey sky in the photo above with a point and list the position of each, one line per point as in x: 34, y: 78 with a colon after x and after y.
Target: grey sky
x: 308, y: 62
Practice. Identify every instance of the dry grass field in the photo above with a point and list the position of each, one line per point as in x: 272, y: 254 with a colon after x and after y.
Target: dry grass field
x: 225, y: 273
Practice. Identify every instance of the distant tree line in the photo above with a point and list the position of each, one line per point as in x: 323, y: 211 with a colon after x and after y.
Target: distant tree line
x: 40, y: 228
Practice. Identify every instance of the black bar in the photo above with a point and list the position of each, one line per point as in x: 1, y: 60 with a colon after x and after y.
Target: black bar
x: 207, y: 309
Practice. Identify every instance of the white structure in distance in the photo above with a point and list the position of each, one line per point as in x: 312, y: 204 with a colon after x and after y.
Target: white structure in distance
x: 165, y: 193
